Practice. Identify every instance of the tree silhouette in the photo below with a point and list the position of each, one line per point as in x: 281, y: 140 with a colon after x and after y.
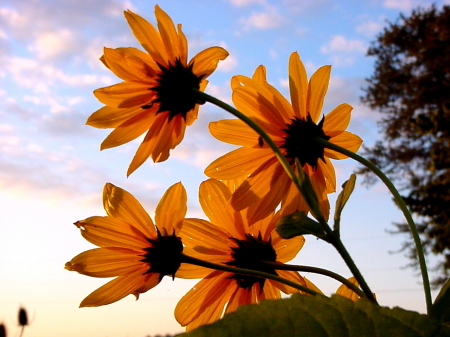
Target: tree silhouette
x: 410, y: 87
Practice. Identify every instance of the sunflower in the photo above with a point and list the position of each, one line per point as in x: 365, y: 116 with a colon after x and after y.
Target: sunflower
x: 156, y: 95
x: 293, y: 127
x: 132, y: 248
x: 230, y: 239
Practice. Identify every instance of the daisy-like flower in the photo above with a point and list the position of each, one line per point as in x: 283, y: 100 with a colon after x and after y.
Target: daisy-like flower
x: 293, y: 127
x: 132, y: 248
x: 228, y: 238
x: 156, y: 93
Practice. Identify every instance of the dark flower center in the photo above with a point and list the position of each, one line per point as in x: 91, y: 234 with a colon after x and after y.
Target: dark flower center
x: 164, y: 255
x: 174, y: 89
x: 299, y: 141
x: 251, y: 254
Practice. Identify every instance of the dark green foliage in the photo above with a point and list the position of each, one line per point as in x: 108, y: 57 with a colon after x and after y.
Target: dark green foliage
x: 410, y: 87
x: 320, y: 316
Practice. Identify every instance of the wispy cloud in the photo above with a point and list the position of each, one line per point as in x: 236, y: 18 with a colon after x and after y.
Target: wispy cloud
x: 267, y: 19
x: 343, y: 51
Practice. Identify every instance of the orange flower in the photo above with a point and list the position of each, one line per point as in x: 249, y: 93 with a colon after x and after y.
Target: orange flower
x: 132, y: 249
x: 293, y: 128
x: 231, y: 240
x: 156, y: 93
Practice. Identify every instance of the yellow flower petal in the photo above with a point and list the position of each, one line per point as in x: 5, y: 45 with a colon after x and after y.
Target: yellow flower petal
x: 111, y: 232
x: 214, y: 198
x: 344, y: 139
x: 201, y: 233
x: 115, y: 290
x: 234, y: 131
x: 205, y: 301
x: 171, y: 210
x: 298, y: 86
x: 128, y: 66
x: 238, y: 163
x: 190, y: 271
x: 287, y: 249
x: 343, y: 290
x: 338, y: 118
x: 318, y: 86
x: 105, y: 262
x: 160, y: 139
x: 129, y: 130
x: 206, y: 61
x: 108, y: 117
x: 132, y: 93
x: 168, y: 34
x: 148, y: 37
x: 266, y: 186
x: 120, y: 204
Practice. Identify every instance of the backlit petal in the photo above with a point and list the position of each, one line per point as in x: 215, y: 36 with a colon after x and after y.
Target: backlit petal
x: 206, y: 61
x: 318, y: 86
x: 107, y: 231
x: 338, y: 118
x: 106, y: 262
x: 115, y: 290
x: 129, y: 130
x: 148, y: 37
x: 204, y: 303
x: 346, y: 140
x: 238, y: 163
x: 120, y: 204
x: 298, y: 85
x: 168, y: 33
x: 171, y: 210
x: 115, y: 95
x: 108, y: 117
x: 128, y: 66
x: 234, y: 131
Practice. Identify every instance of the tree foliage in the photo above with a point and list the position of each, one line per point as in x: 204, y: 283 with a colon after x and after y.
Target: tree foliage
x: 410, y: 87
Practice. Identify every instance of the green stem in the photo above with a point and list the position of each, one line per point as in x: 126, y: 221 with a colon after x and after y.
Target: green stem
x: 315, y: 270
x: 401, y: 204
x: 315, y: 211
x: 282, y: 159
x: 250, y: 272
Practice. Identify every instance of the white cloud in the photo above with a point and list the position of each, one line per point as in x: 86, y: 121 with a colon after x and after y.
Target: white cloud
x: 268, y: 19
x: 242, y: 3
x: 369, y: 28
x: 340, y: 43
x: 403, y: 5
x: 343, y: 51
x: 53, y: 44
x: 229, y: 64
x: 6, y: 128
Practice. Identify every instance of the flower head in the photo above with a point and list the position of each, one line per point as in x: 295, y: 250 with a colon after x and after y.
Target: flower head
x: 228, y: 238
x: 132, y: 248
x: 156, y: 95
x: 293, y: 127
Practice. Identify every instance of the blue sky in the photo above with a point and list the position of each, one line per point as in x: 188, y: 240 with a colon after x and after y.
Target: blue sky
x: 52, y: 172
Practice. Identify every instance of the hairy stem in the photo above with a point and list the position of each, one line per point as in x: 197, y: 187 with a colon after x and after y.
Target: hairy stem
x: 223, y: 267
x: 315, y: 270
x: 401, y: 204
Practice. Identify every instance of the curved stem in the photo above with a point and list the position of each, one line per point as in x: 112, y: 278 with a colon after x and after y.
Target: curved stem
x: 315, y: 270
x: 315, y: 211
x: 401, y: 204
x: 223, y: 267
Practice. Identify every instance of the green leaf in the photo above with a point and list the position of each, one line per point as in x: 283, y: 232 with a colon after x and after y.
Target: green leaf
x: 347, y: 189
x: 298, y: 223
x: 441, y: 306
x: 320, y: 316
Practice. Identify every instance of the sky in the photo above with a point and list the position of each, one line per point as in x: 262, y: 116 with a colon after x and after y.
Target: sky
x: 52, y: 172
